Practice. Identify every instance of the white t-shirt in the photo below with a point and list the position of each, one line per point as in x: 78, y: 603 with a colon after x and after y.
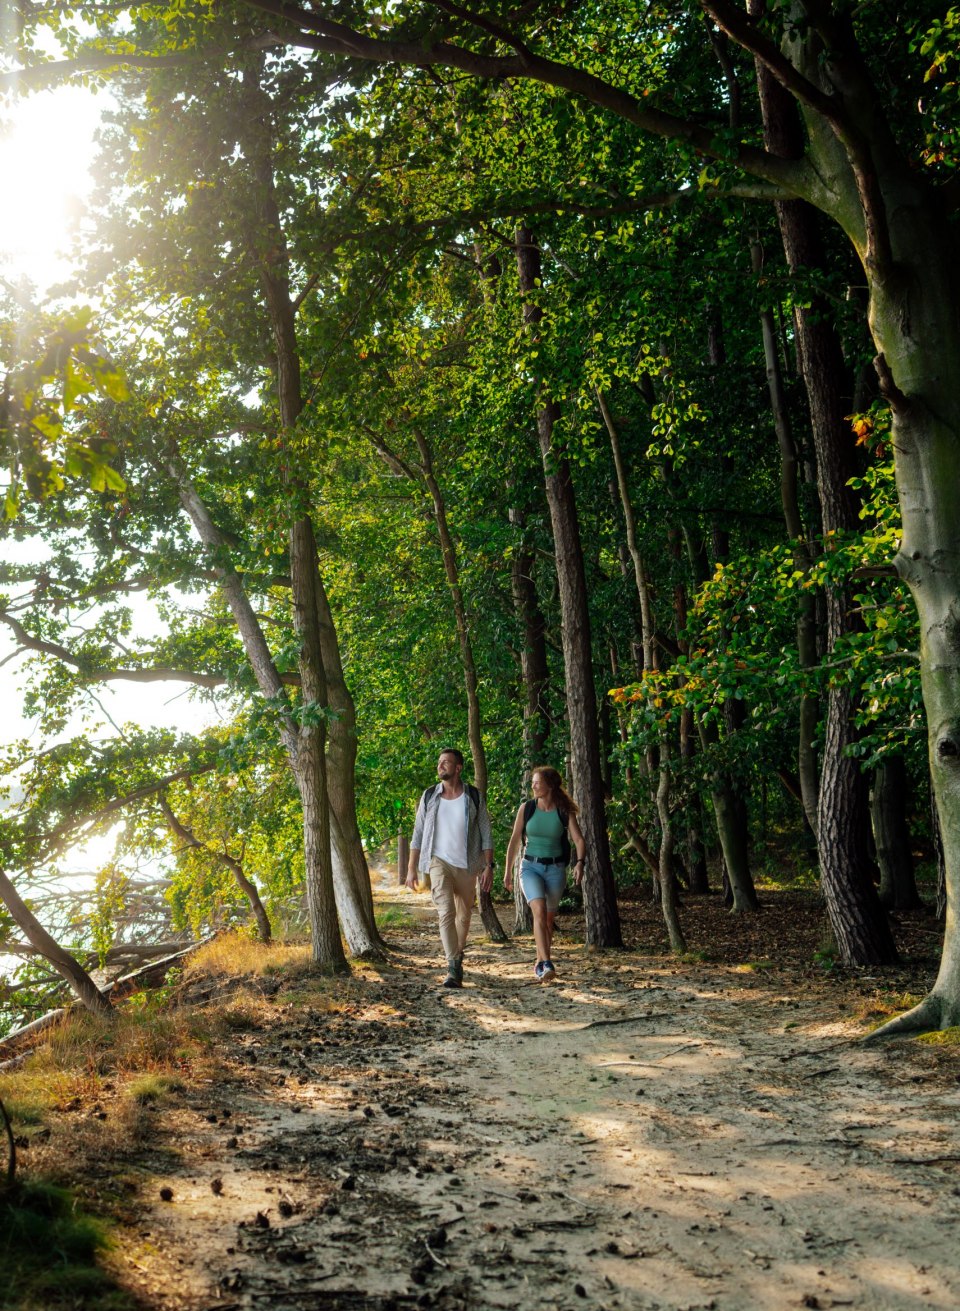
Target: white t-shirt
x: 450, y: 832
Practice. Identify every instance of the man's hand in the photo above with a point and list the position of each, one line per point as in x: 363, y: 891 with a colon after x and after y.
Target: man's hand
x: 411, y: 880
x: 485, y: 881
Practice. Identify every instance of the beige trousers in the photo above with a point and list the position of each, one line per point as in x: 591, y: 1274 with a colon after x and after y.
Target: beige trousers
x: 453, y: 890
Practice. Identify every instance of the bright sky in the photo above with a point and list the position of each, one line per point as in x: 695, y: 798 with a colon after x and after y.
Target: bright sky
x: 46, y: 147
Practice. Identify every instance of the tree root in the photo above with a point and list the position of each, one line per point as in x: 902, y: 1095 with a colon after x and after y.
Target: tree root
x: 928, y: 1016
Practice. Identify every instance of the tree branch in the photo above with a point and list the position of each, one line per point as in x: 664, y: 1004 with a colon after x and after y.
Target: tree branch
x: 157, y: 674
x: 315, y: 32
x: 741, y: 29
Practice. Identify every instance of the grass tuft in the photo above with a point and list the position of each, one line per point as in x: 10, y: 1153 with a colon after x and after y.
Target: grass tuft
x: 48, y: 1253
x: 153, y: 1088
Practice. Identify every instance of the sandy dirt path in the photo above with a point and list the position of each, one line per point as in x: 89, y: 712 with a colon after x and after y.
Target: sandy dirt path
x: 638, y: 1135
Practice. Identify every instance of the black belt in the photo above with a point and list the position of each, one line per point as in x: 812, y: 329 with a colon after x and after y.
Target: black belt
x: 548, y: 860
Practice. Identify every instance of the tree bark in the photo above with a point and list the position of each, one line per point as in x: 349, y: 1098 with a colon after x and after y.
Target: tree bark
x: 599, y: 891
x: 891, y: 835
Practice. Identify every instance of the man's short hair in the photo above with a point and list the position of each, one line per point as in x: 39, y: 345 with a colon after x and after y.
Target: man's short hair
x: 452, y: 751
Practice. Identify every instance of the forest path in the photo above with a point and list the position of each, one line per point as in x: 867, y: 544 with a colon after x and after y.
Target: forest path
x: 637, y: 1135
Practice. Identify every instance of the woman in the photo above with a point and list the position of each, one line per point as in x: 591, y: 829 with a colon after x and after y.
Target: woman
x: 547, y: 826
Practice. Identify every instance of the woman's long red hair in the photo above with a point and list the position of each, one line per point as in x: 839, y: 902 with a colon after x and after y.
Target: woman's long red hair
x: 557, y: 794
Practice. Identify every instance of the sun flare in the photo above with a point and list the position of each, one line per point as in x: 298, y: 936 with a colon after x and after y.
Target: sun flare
x: 46, y: 146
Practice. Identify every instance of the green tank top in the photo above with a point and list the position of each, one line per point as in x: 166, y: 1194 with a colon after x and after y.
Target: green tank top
x: 544, y: 833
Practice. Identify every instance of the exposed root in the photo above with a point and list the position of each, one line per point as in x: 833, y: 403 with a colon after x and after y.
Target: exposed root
x: 927, y: 1016
x: 379, y: 954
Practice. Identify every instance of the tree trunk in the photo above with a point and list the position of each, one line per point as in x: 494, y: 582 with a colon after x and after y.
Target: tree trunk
x: 311, y: 765
x: 350, y: 892
x: 351, y: 874
x: 858, y: 920
x: 79, y: 980
x: 891, y: 835
x: 599, y: 892
x: 667, y: 880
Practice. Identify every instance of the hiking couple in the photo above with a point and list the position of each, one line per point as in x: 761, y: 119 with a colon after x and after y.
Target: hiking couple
x: 453, y: 843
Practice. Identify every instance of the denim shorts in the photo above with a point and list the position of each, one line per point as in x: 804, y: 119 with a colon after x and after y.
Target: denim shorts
x: 539, y: 880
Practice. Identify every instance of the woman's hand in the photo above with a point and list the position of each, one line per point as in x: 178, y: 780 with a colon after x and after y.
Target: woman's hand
x: 508, y: 879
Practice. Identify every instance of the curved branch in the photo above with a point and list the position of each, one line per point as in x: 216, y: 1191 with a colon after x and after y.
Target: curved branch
x: 158, y: 674
x: 741, y: 29
x: 56, y: 837
x: 315, y: 32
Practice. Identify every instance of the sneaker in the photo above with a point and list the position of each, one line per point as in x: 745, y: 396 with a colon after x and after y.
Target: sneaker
x: 538, y: 970
x: 547, y: 973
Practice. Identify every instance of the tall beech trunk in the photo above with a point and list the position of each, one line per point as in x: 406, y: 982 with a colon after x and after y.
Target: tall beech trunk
x: 348, y: 878
x: 807, y: 773
x: 350, y: 868
x: 79, y: 980
x: 891, y: 835
x: 599, y: 892
x: 858, y: 920
x: 186, y: 835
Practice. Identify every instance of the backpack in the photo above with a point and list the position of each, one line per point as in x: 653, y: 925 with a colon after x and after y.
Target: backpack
x: 528, y: 809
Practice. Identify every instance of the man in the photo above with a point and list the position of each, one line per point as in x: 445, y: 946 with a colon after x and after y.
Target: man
x: 452, y: 842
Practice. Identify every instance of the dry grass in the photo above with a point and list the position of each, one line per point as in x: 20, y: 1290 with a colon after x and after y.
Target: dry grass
x: 877, y: 1010
x: 233, y: 956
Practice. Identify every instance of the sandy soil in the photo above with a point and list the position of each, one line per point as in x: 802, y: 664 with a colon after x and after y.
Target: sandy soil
x: 638, y: 1135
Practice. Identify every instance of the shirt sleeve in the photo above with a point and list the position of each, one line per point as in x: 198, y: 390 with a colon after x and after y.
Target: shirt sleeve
x: 416, y: 841
x: 486, y: 832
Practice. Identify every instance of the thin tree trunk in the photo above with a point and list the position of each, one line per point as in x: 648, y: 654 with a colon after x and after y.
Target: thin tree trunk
x: 534, y: 667
x: 806, y: 616
x: 350, y: 868
x: 246, y: 886
x: 79, y: 980
x: 599, y: 891
x: 667, y: 881
x: 891, y: 835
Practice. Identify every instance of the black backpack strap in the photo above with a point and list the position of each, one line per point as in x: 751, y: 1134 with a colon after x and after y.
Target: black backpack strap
x: 564, y: 836
x: 474, y: 794
x: 528, y: 808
